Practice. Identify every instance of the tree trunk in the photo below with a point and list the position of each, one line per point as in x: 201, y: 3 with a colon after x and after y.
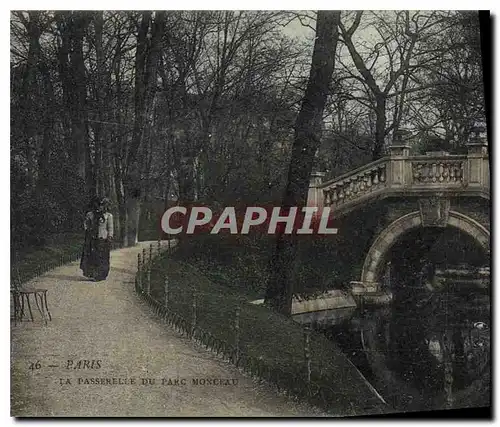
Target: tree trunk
x: 380, y: 125
x: 64, y: 46
x: 72, y: 72
x: 307, y: 139
x: 122, y: 211
x: 100, y: 132
x: 30, y: 89
x: 79, y: 113
x: 146, y: 66
x: 132, y: 216
x: 48, y: 128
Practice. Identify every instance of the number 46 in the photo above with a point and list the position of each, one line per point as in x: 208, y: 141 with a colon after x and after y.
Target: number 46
x: 35, y: 365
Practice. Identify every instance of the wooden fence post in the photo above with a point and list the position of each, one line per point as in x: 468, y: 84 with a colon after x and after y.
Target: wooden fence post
x: 148, y: 279
x: 159, y: 246
x: 166, y: 290
x: 307, y: 354
x: 144, y: 257
x: 150, y: 253
x: 138, y: 274
x: 237, y: 333
x: 193, y: 315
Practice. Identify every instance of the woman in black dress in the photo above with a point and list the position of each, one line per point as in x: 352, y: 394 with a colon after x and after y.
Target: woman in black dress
x: 98, y: 226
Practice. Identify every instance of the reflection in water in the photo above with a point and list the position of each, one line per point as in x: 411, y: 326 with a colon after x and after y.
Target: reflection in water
x: 425, y: 351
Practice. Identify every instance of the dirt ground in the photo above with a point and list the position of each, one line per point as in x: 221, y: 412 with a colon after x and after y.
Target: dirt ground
x: 105, y: 355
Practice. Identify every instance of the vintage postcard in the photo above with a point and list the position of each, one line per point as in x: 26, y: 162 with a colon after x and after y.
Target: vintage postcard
x: 250, y: 213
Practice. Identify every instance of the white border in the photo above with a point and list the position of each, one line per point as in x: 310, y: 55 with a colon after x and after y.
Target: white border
x: 186, y: 4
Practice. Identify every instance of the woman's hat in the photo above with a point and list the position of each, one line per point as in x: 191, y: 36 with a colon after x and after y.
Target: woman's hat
x: 105, y: 202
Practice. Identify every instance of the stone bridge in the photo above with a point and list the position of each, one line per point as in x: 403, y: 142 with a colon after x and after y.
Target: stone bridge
x: 436, y: 190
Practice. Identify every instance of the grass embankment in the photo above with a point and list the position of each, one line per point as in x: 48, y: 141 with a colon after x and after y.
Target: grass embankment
x: 241, y: 262
x: 275, y: 340
x: 59, y: 248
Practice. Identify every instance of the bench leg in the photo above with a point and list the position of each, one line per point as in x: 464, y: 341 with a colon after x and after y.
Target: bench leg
x: 29, y: 307
x: 20, y: 307
x: 15, y: 302
x: 40, y: 306
x: 21, y: 311
x: 46, y: 306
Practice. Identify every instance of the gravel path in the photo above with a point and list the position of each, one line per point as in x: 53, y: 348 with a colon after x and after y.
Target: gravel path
x: 100, y: 345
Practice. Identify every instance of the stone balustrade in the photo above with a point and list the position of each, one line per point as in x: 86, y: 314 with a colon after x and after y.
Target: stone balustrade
x: 446, y: 170
x: 400, y: 173
x: 370, y: 178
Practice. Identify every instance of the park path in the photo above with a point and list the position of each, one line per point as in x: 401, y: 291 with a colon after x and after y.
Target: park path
x: 106, y: 322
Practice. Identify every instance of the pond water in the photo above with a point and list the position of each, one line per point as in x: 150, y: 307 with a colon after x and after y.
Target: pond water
x: 426, y: 350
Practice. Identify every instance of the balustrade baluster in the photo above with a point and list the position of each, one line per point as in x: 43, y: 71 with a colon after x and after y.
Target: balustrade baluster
x: 347, y: 188
x: 441, y: 170
x: 382, y: 174
x: 334, y: 196
x: 434, y: 172
x: 368, y: 179
x: 375, y: 177
x: 341, y: 194
x: 446, y: 172
x: 416, y: 172
x: 327, y: 197
x: 362, y: 185
x: 452, y: 174
x: 425, y: 170
x: 355, y: 185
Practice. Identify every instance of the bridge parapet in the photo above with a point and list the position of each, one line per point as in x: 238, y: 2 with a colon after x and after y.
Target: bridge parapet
x: 400, y: 173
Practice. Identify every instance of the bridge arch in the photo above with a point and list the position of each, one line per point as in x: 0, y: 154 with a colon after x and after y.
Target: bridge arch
x: 388, y: 237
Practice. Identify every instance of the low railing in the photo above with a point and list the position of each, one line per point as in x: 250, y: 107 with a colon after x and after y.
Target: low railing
x: 304, y: 383
x: 401, y: 173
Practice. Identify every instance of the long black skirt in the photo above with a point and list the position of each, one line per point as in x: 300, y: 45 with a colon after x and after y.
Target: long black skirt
x: 95, y: 258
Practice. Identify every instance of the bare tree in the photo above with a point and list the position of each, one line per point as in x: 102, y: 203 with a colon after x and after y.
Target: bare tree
x: 307, y: 139
x: 385, y: 70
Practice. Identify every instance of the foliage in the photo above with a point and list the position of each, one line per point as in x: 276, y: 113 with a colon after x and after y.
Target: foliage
x: 38, y: 213
x: 57, y: 248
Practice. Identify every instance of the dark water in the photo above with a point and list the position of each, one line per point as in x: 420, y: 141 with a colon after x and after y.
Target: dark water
x: 427, y: 350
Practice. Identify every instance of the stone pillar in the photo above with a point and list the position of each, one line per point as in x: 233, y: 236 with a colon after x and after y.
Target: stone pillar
x: 399, y: 173
x: 369, y: 293
x: 401, y: 143
x: 315, y: 194
x: 363, y: 288
x: 478, y: 168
